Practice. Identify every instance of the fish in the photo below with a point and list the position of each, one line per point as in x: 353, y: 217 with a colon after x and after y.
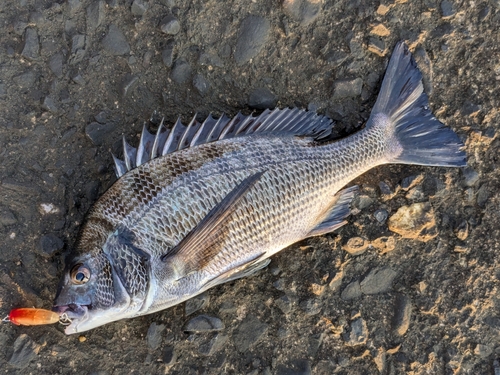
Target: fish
x: 204, y: 204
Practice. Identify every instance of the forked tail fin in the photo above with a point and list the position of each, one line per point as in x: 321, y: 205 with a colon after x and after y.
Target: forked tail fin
x: 402, y: 108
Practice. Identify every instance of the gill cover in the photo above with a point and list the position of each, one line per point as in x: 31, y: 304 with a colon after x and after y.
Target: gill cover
x: 129, y: 263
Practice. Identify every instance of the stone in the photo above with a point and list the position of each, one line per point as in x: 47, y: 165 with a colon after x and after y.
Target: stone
x: 294, y: 367
x: 249, y: 333
x: 56, y: 64
x: 284, y: 304
x: 95, y: 15
x: 311, y: 306
x: 19, y: 27
x: 363, y: 201
x: 483, y: 194
x: 262, y: 98
x: 167, y: 55
x: 114, y: 42
x: 139, y: 7
x: 402, y: 314
x: 74, y: 6
x: 196, y: 303
x: 169, y: 356
x: 380, y: 30
x: 7, y: 217
x: 411, y: 181
x: 203, y: 323
x: 447, y: 10
x: 49, y: 104
x: 181, y: 72
x: 98, y: 133
x: 347, y: 88
x: 154, y: 335
x: 381, y: 215
x: 302, y: 11
x: 201, y: 84
x: 378, y: 280
x: 356, y: 245
x: 377, y: 46
x: 50, y: 244
x: 128, y: 84
x: 470, y: 176
x: 213, y: 344
x: 31, y: 49
x: 351, y: 291
x: 416, y: 222
x: 358, y: 334
x: 462, y: 230
x: 170, y: 25
x: 253, y: 35
x: 25, y: 350
x: 384, y: 244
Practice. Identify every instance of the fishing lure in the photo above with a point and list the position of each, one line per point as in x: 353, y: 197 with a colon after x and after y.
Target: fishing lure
x: 34, y: 317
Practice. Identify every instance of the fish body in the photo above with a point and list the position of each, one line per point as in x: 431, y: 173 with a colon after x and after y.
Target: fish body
x: 199, y: 206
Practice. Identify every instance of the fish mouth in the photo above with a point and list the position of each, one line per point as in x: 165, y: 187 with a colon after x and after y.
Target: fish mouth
x: 73, y: 313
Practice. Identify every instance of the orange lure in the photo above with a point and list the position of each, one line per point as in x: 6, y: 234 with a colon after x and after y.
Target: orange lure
x: 32, y: 317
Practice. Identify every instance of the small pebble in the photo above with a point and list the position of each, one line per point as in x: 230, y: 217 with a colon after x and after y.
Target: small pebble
x: 351, y: 291
x: 447, y: 10
x: 50, y: 244
x: 262, y: 98
x: 181, y: 72
x: 302, y: 11
x: 154, y: 336
x: 82, y: 338
x: 114, y: 42
x: 381, y: 215
x: 377, y: 46
x: 358, y: 334
x: 203, y: 323
x: 380, y: 30
x: 201, y: 84
x: 249, y: 333
x: 95, y: 15
x: 167, y: 55
x: 254, y: 32
x: 347, y: 88
x: 31, y: 47
x: 170, y: 25
x: 356, y: 246
x: 379, y: 280
x: 139, y: 7
x: 402, y: 314
x: 25, y: 350
x: 169, y: 356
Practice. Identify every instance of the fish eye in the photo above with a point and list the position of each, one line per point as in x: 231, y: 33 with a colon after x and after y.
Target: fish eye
x: 80, y: 274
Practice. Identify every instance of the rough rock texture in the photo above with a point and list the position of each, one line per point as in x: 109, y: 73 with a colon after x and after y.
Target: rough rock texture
x: 77, y: 75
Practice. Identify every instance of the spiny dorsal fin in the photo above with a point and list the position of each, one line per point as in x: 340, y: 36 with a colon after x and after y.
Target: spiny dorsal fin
x: 285, y: 121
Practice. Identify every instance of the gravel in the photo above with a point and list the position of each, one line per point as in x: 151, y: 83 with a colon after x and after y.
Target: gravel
x: 419, y: 291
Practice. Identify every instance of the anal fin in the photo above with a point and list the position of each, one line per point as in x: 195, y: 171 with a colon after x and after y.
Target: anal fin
x: 335, y: 218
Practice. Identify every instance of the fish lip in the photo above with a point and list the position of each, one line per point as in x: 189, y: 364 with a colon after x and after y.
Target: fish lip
x: 74, y: 313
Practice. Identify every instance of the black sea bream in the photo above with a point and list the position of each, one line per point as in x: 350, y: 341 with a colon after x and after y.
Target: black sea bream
x: 201, y: 205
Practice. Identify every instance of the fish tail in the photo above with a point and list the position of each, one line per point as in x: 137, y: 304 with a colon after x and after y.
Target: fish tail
x: 402, y: 112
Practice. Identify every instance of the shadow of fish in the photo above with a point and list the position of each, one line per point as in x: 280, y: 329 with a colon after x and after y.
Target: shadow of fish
x: 201, y: 205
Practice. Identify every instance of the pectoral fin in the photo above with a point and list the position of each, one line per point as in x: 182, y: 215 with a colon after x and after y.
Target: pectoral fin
x: 334, y: 219
x: 202, y: 243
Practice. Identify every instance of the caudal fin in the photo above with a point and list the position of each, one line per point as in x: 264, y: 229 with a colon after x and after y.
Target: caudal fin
x: 402, y: 106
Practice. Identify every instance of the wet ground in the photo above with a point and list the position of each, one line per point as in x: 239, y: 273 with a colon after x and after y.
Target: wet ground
x: 384, y: 295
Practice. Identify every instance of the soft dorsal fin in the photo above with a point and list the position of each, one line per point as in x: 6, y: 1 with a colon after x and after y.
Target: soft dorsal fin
x: 203, y: 242
x: 278, y: 121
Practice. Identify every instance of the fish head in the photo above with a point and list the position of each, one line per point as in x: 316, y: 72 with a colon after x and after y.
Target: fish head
x: 104, y: 285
